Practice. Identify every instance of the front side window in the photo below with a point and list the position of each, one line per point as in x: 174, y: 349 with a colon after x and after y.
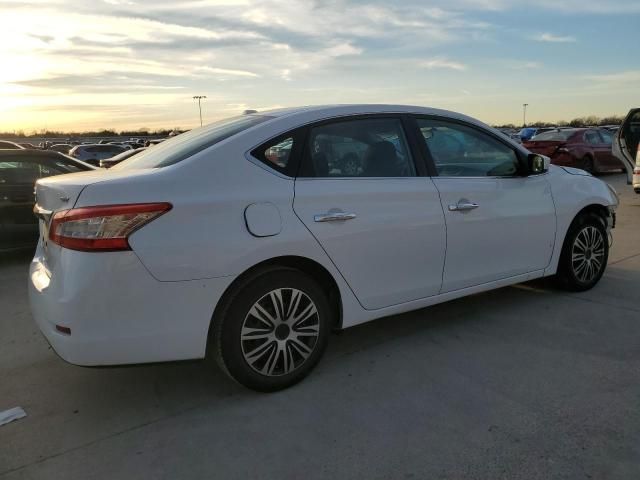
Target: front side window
x: 461, y: 151
x: 368, y: 147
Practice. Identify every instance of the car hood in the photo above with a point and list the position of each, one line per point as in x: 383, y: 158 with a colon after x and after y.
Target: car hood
x: 576, y: 171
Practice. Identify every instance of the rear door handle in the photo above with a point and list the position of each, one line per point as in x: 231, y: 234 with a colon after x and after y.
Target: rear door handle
x: 334, y: 217
x: 463, y: 207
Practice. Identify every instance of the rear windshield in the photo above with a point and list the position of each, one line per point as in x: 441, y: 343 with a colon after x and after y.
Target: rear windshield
x: 554, y: 136
x: 187, y: 144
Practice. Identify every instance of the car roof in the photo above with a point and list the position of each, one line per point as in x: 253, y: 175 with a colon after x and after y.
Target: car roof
x: 328, y: 111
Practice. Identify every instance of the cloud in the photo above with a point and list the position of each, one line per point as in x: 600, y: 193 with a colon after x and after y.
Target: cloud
x: 530, y: 65
x: 226, y: 72
x: 442, y: 63
x: 551, y: 38
x: 620, y: 78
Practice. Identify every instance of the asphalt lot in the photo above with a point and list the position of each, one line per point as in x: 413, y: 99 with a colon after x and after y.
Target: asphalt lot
x: 524, y: 382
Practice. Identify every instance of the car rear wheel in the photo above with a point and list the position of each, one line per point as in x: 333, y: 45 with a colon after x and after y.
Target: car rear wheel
x: 273, y: 331
x: 584, y: 254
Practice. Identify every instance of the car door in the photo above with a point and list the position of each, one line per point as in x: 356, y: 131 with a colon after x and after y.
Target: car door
x: 625, y: 144
x: 607, y: 143
x: 360, y: 195
x: 499, y: 224
x: 600, y: 150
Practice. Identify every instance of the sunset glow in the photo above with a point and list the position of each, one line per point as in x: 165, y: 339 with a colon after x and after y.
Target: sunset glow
x: 74, y: 65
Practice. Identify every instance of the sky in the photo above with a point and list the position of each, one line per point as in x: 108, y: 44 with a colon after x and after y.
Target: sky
x: 130, y: 64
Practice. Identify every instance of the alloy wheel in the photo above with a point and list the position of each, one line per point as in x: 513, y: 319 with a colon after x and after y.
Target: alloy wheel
x: 587, y: 254
x: 280, y: 332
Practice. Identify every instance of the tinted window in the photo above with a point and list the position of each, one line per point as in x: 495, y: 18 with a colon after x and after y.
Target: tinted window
x: 554, y: 136
x: 187, y: 144
x: 607, y: 137
x: 592, y: 137
x: 21, y: 172
x: 461, y: 151
x: 277, y: 153
x: 374, y: 147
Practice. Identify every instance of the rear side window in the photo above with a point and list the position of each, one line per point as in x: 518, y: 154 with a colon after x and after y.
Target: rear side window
x: 187, y: 144
x: 26, y: 173
x: 367, y: 147
x: 592, y: 137
x: 279, y: 153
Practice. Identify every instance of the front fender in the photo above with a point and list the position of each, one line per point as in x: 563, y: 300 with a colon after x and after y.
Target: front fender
x: 572, y: 193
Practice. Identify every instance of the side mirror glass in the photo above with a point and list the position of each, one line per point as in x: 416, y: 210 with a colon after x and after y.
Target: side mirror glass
x: 538, y: 164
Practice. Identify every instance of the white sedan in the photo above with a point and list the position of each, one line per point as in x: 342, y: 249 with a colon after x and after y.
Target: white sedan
x: 252, y: 238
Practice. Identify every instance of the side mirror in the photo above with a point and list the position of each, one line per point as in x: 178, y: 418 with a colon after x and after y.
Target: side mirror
x: 538, y: 163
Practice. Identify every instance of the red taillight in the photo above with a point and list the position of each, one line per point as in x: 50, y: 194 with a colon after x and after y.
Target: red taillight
x: 102, y: 228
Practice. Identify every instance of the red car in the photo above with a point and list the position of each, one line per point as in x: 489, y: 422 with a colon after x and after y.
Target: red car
x: 586, y: 148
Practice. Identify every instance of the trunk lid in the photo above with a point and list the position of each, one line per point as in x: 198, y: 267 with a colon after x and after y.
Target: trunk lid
x: 544, y: 147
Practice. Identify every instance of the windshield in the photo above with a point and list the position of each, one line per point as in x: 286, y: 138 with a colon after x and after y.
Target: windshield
x: 554, y: 136
x: 187, y: 144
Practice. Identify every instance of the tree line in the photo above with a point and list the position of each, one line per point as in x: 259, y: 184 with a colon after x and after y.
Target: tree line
x: 589, y: 121
x: 141, y: 132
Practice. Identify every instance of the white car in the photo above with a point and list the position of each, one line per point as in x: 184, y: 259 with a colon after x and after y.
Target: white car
x: 212, y: 244
x: 94, y: 153
x: 625, y: 147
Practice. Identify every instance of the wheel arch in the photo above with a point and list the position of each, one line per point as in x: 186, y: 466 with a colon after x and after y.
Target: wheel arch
x: 594, y: 208
x: 311, y: 267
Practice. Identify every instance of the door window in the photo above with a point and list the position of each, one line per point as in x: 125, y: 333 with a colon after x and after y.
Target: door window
x: 592, y: 137
x: 607, y: 137
x: 368, y: 147
x: 461, y: 151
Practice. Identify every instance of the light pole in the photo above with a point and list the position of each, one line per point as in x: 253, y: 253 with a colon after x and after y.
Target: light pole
x: 524, y: 114
x: 199, y: 98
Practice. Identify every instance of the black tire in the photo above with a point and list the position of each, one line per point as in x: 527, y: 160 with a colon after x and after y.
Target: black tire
x: 279, y: 353
x: 570, y: 275
x: 588, y: 165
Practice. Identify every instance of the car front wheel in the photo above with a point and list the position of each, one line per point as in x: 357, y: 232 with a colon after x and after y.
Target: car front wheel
x: 584, y: 254
x: 273, y: 331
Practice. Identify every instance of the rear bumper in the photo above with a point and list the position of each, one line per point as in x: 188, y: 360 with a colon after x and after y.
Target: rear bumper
x: 117, y: 312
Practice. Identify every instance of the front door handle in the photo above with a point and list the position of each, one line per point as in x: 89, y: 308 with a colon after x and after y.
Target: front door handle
x: 463, y: 207
x: 334, y: 217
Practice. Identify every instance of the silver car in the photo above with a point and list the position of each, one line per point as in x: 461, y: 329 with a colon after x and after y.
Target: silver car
x: 94, y: 153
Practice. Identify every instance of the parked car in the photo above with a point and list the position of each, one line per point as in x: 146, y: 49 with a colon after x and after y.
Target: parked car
x: 528, y: 133
x: 585, y: 148
x: 625, y: 147
x: 124, y: 145
x: 94, y: 153
x: 199, y: 247
x: 512, y: 134
x: 19, y: 170
x: 61, y: 147
x: 110, y: 162
x: 6, y: 145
